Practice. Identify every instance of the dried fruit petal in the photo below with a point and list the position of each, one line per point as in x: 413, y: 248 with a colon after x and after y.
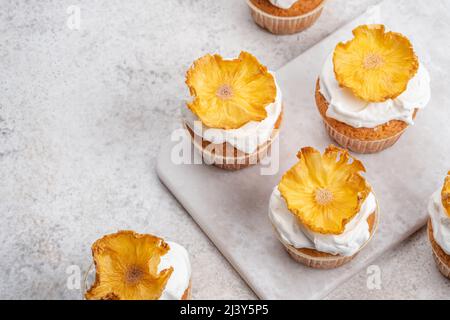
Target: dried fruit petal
x: 230, y: 93
x: 375, y: 65
x: 325, y: 191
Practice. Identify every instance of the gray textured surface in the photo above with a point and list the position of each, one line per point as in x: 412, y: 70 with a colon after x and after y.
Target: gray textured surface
x: 82, y: 114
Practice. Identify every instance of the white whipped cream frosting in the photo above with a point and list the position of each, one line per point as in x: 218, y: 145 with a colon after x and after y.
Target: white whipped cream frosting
x: 345, y: 107
x: 178, y: 258
x: 293, y: 233
x: 440, y: 221
x: 246, y: 138
x: 283, y: 4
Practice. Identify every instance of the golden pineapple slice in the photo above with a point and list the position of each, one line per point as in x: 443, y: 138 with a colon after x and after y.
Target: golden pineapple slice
x: 375, y: 65
x: 227, y: 94
x: 126, y: 266
x: 446, y: 194
x: 325, y: 191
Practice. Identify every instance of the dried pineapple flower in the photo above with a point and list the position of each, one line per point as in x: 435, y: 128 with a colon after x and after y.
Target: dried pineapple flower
x: 324, y: 191
x: 230, y: 93
x: 126, y: 266
x: 446, y: 194
x: 375, y: 65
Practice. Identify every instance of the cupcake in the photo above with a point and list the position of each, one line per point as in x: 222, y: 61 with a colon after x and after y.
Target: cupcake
x: 439, y: 227
x: 323, y: 210
x: 370, y: 89
x: 235, y: 111
x: 131, y: 266
x: 285, y: 16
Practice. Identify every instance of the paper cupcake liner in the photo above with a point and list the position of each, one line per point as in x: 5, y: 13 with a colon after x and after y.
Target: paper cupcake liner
x: 227, y: 157
x: 316, y: 262
x: 442, y: 266
x: 329, y: 262
x: 284, y: 25
x: 361, y: 146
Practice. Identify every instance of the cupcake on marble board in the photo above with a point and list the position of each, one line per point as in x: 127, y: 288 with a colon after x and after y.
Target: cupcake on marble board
x: 323, y: 210
x: 371, y: 89
x: 285, y: 16
x: 439, y: 227
x: 235, y: 112
x: 132, y: 266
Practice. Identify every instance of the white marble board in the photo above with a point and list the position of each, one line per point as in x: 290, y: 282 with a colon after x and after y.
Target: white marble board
x: 231, y: 207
